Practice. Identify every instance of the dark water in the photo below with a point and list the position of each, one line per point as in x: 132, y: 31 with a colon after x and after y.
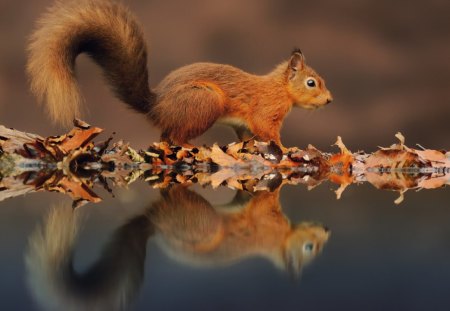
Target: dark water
x: 188, y: 249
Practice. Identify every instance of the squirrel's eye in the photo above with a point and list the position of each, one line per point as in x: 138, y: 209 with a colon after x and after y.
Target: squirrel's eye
x: 311, y: 82
x: 308, y: 247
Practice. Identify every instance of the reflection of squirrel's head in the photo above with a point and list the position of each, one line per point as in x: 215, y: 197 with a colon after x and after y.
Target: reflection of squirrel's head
x: 302, y: 245
x: 306, y: 87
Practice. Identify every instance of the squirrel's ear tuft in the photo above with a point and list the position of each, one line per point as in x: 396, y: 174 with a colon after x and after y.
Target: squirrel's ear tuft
x: 296, y: 62
x: 296, y: 50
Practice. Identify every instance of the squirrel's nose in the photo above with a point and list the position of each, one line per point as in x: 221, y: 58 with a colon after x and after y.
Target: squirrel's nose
x: 329, y: 97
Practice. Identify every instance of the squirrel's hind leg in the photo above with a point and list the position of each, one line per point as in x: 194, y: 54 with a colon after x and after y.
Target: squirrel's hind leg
x: 188, y: 111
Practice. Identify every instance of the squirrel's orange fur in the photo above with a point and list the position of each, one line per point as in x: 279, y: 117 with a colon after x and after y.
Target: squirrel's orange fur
x: 185, y: 103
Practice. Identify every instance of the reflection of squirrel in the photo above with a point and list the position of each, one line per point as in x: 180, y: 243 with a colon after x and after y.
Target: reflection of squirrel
x: 184, y: 104
x: 193, y: 231
x: 188, y: 228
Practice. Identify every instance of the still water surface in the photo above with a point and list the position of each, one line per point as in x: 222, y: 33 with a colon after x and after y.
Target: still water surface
x: 197, y: 249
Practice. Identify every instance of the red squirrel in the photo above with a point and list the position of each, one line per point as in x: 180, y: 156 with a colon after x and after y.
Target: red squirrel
x: 186, y: 102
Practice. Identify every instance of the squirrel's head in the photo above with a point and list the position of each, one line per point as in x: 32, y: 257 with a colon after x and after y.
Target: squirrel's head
x: 302, y: 245
x: 304, y: 85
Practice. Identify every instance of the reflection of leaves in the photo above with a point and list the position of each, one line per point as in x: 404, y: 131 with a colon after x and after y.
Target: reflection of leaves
x: 433, y: 183
x: 73, y: 164
x: 78, y: 190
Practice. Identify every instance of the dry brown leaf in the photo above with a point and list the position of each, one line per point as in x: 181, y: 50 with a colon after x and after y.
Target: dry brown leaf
x: 234, y: 148
x: 234, y: 183
x: 392, y: 158
x: 221, y: 158
x: 203, y: 155
x: 340, y: 144
x: 78, y: 138
x: 437, y: 158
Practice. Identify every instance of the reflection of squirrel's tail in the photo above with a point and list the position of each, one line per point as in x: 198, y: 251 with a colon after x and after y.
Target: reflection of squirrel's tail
x: 109, y: 284
x: 104, y: 30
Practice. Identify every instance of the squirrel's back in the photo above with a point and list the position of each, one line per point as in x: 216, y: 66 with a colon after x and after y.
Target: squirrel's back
x: 104, y: 30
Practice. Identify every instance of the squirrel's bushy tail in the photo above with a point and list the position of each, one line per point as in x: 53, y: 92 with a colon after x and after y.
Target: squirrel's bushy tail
x: 109, y: 34
x: 110, y: 283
